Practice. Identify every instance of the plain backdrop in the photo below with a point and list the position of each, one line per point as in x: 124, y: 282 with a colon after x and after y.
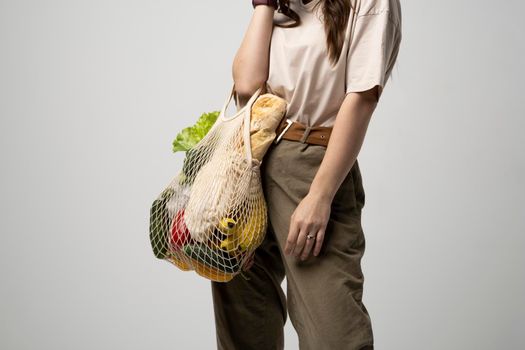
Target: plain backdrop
x: 92, y: 94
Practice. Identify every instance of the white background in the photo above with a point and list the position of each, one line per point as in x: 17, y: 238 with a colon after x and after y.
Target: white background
x: 93, y: 92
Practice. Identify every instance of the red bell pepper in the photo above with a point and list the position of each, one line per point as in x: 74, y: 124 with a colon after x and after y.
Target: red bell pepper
x: 179, y: 232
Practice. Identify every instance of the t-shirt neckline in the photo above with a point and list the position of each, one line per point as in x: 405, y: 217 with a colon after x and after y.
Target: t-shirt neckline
x: 309, y: 5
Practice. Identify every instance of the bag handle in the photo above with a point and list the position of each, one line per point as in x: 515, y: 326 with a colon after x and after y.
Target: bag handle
x: 240, y: 111
x: 247, y: 111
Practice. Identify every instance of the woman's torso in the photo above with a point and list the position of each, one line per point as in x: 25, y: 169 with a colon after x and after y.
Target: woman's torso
x: 299, y: 67
x: 300, y: 70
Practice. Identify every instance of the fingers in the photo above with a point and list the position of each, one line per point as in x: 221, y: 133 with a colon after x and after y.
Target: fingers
x: 319, y: 241
x: 297, y: 242
x: 248, y: 265
x: 309, y: 243
x: 301, y: 239
x: 249, y: 262
x: 291, y: 240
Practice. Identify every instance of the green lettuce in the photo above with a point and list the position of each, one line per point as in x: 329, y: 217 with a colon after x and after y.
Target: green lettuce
x: 191, y: 135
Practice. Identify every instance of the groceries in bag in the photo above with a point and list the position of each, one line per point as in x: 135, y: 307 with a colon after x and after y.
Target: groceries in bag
x: 213, y: 214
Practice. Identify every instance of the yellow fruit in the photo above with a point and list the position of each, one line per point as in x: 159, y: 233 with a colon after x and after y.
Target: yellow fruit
x: 242, y: 235
x: 202, y: 270
x: 250, y: 234
x: 179, y: 263
x: 228, y: 227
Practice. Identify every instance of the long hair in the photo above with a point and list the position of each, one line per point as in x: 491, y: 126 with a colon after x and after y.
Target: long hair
x: 335, y: 14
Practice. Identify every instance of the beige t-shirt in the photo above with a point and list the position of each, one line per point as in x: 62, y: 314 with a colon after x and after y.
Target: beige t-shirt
x: 300, y: 70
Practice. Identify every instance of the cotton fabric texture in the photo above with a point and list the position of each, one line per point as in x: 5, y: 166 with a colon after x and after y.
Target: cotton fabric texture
x: 300, y: 70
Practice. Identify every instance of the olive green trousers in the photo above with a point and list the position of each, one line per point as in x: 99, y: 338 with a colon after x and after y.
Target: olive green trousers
x: 324, y: 292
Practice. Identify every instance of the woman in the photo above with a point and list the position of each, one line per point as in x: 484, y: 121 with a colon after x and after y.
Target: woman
x: 330, y: 59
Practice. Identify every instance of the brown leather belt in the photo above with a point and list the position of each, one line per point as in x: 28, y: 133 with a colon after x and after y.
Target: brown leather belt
x: 295, y: 131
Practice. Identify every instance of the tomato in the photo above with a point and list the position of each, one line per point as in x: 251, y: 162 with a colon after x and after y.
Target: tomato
x: 179, y: 232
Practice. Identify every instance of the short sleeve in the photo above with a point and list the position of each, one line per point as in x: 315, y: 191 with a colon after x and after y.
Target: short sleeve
x: 372, y: 52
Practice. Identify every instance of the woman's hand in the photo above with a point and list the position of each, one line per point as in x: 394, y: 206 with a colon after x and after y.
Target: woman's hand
x: 310, y: 217
x: 249, y: 261
x: 312, y: 214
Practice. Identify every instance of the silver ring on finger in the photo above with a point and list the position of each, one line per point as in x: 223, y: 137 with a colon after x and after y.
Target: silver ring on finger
x: 309, y: 236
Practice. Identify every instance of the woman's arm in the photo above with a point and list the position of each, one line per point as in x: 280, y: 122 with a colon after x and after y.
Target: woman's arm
x: 251, y: 62
x: 345, y: 142
x: 313, y: 212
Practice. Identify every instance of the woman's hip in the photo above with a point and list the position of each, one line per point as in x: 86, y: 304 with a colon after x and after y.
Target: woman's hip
x: 291, y: 166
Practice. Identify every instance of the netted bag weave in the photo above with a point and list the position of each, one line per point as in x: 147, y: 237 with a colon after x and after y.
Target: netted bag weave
x: 213, y: 214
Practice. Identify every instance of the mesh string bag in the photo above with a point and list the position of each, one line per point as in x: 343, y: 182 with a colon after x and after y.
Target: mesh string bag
x: 212, y: 215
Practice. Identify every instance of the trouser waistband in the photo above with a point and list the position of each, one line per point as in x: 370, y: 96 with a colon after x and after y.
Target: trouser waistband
x: 295, y: 131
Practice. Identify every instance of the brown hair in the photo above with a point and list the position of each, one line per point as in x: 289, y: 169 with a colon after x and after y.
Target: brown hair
x: 335, y: 14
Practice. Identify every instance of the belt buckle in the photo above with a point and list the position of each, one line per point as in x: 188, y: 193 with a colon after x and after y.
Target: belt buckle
x: 279, y: 137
